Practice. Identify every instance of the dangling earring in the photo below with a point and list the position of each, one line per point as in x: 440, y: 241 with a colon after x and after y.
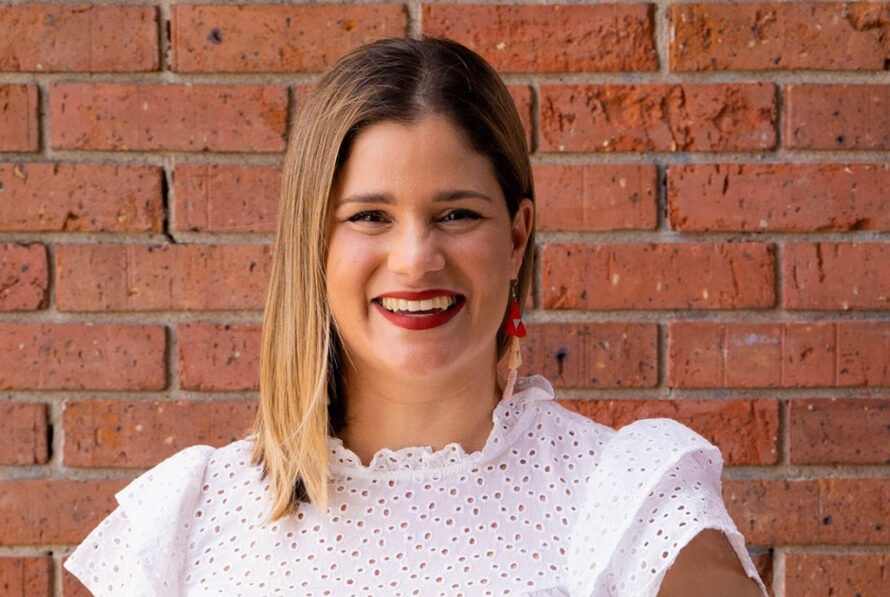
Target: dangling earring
x: 516, y: 330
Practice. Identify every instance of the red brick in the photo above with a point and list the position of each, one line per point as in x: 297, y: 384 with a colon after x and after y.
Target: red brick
x: 132, y: 277
x: 781, y: 197
x: 46, y: 356
x: 219, y: 357
x: 143, y: 433
x: 837, y: 116
x: 596, y: 197
x: 26, y: 577
x: 23, y: 433
x: 560, y: 38
x: 746, y: 431
x: 863, y: 349
x: 137, y: 117
x: 35, y: 512
x: 839, y: 431
x: 838, y: 575
x: 773, y: 36
x: 276, y: 38
x: 78, y: 37
x: 790, y: 355
x: 600, y: 355
x: 226, y: 198
x: 835, y: 511
x: 54, y: 197
x: 658, y: 117
x: 18, y: 118
x: 522, y: 97
x: 24, y: 276
x: 657, y: 276
x: 836, y: 276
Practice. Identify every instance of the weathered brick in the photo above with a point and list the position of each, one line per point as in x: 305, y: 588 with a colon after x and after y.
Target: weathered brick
x: 658, y: 117
x: 276, y: 38
x: 143, y: 433
x: 600, y: 355
x: 24, y: 276
x: 782, y: 197
x: 219, y: 357
x: 773, y: 36
x: 147, y: 117
x: 54, y: 197
x: 18, y: 118
x: 132, y: 277
x: 225, y: 198
x: 863, y: 347
x: 78, y: 37
x: 35, y: 512
x: 558, y: 38
x: 657, y: 276
x: 596, y: 197
x: 836, y: 574
x: 836, y: 511
x: 23, y: 434
x: 836, y: 116
x: 46, y: 356
x: 26, y: 577
x: 772, y: 355
x: 839, y: 431
x: 836, y: 276
x: 746, y: 431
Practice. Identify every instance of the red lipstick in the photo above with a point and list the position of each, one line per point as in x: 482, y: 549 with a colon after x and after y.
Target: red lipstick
x: 420, y: 322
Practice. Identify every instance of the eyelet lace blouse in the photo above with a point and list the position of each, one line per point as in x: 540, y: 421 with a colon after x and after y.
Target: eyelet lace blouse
x: 553, y: 505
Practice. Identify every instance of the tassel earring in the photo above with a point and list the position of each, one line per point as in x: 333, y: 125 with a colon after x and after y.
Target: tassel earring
x: 516, y: 330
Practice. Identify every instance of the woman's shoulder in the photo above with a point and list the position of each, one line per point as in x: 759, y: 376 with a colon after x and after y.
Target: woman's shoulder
x: 139, y: 548
x: 653, y: 436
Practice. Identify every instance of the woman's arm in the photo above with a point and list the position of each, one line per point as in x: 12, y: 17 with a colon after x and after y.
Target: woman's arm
x: 708, y: 565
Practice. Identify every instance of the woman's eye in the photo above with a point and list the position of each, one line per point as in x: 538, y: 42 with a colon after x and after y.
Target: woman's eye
x: 366, y: 216
x: 461, y: 214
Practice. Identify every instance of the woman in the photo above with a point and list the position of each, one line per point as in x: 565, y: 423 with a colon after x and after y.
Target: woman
x: 387, y: 457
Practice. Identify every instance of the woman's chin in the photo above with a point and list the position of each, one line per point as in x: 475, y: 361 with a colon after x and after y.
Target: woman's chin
x: 421, y: 367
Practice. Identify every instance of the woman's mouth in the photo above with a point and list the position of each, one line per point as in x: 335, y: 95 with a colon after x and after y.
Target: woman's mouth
x: 420, y: 314
x: 429, y: 306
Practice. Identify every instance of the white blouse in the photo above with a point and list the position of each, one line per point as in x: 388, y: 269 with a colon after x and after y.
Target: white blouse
x: 554, y: 504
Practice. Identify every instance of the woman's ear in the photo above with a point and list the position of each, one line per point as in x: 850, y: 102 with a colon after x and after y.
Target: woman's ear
x: 521, y: 231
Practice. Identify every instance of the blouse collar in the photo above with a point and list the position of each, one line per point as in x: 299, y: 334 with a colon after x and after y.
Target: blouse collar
x: 408, y: 462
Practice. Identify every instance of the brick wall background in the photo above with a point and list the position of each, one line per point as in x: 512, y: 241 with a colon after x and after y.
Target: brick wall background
x: 714, y: 241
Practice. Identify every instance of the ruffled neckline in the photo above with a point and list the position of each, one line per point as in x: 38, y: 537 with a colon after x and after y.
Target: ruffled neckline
x: 507, y: 418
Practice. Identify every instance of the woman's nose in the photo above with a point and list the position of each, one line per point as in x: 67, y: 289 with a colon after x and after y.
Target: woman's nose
x: 415, y: 252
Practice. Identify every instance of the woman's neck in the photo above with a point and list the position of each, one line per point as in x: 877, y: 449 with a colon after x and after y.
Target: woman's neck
x: 387, y: 412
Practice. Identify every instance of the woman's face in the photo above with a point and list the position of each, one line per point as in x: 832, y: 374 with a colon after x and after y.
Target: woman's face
x: 421, y: 251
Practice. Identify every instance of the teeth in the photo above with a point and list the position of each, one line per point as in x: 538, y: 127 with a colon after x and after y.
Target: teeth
x: 438, y: 302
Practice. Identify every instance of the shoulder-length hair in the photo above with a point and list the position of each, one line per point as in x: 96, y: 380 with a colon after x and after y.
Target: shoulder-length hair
x: 401, y: 80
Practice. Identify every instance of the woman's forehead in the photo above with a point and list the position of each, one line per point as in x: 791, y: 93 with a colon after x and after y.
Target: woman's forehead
x: 429, y: 154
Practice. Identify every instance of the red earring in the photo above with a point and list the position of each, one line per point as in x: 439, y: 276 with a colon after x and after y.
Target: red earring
x: 516, y: 330
x: 514, y: 326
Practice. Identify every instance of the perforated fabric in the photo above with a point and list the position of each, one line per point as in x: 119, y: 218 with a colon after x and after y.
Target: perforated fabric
x: 553, y: 505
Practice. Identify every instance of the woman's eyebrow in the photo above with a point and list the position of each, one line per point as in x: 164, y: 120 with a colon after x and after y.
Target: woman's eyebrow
x: 441, y: 196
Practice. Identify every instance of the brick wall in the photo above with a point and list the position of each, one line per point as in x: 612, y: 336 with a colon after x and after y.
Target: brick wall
x: 714, y: 241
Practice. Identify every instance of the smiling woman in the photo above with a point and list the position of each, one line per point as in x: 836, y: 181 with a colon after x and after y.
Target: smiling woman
x: 388, y: 457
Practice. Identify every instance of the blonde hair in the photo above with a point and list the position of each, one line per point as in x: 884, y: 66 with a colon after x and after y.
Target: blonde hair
x: 402, y: 80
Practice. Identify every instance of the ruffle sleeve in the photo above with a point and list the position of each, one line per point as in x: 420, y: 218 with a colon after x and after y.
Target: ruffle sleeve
x: 656, y: 487
x: 140, y: 547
